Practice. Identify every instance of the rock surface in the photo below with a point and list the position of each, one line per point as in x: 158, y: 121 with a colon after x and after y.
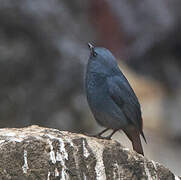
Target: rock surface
x: 41, y: 153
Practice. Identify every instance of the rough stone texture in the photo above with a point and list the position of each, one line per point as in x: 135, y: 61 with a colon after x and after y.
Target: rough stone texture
x: 41, y: 153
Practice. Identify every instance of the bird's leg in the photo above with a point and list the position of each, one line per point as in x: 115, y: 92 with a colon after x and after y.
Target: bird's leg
x: 109, y: 137
x: 102, y: 132
x: 99, y: 134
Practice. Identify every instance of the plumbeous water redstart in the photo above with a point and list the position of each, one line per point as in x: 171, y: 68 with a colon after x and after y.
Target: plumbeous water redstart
x: 111, y: 98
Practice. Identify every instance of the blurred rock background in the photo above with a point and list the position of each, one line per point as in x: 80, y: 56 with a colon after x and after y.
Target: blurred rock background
x: 43, y: 55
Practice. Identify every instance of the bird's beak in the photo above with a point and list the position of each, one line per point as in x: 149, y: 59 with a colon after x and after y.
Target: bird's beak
x: 91, y: 47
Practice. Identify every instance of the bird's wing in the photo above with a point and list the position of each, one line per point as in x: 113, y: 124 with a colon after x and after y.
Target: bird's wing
x: 124, y: 96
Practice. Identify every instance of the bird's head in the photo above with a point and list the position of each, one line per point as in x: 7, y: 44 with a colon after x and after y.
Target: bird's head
x: 101, y: 60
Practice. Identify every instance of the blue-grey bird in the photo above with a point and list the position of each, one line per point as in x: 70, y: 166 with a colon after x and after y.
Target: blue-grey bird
x: 111, y: 98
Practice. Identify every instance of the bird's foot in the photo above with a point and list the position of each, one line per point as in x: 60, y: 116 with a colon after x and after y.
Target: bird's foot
x: 98, y: 136
x: 102, y: 137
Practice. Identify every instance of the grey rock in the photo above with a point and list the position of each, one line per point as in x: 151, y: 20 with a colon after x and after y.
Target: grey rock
x: 41, y: 153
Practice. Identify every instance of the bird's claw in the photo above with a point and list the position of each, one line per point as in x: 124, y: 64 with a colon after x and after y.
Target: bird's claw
x: 98, y: 136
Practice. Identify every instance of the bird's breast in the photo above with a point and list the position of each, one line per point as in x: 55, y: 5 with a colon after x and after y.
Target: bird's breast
x: 95, y: 87
x: 95, y: 82
x: 105, y: 111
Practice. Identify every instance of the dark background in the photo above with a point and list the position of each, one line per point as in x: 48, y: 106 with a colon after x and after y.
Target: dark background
x: 43, y: 55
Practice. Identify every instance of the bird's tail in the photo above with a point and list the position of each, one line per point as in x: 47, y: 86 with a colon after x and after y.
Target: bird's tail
x: 134, y: 136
